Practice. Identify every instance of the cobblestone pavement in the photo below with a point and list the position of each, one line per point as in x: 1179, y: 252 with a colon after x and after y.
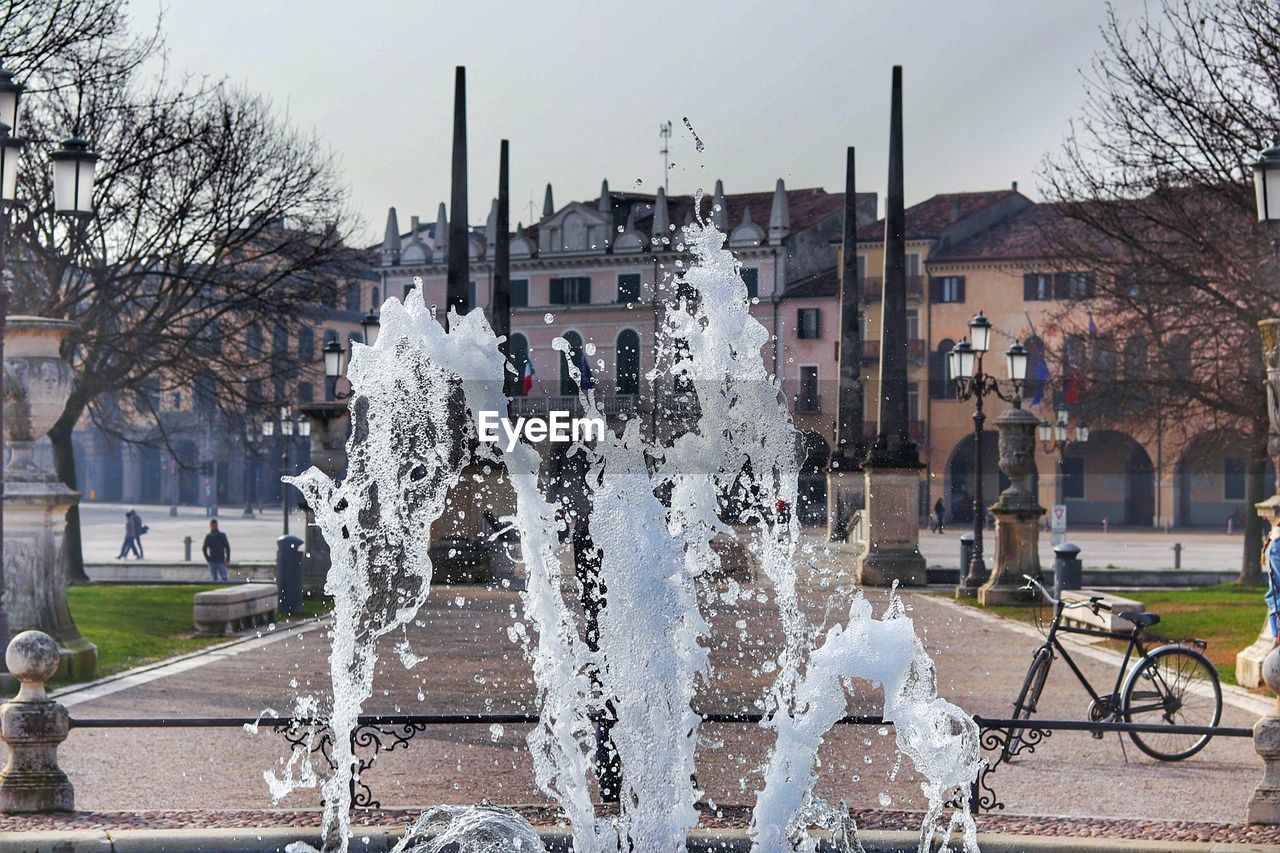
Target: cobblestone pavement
x: 723, y: 817
x: 255, y: 539
x: 471, y: 666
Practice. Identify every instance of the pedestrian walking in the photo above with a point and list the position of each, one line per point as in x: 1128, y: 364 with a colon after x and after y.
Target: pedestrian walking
x: 217, y: 551
x: 939, y: 513
x: 132, y: 536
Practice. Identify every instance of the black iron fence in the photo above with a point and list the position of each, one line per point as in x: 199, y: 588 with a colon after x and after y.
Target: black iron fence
x: 377, y: 733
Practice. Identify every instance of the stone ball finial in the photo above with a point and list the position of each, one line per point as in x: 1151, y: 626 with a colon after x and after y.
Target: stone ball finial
x: 1271, y: 670
x: 32, y: 658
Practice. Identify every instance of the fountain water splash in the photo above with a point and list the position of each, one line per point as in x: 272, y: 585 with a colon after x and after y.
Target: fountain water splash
x: 407, y: 450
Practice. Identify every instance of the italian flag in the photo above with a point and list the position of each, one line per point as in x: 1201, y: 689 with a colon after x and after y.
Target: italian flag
x: 526, y: 381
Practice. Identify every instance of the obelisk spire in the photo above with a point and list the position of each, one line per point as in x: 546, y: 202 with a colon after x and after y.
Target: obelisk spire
x: 459, y: 239
x: 501, y: 309
x: 893, y: 447
x: 850, y: 447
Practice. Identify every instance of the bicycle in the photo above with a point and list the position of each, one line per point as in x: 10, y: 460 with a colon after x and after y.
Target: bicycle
x: 1173, y: 683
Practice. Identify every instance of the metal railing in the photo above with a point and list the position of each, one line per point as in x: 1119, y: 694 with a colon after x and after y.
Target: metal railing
x: 375, y: 733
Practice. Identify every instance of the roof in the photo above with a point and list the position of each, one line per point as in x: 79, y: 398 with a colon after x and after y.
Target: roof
x: 931, y: 217
x: 1017, y: 237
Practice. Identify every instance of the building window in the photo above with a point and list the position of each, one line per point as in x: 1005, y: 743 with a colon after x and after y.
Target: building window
x: 629, y: 287
x: 948, y: 288
x: 1072, y: 285
x: 353, y: 296
x: 913, y: 401
x: 471, y: 295
x: 940, y: 387
x: 628, y: 362
x: 1072, y: 478
x: 306, y: 345
x: 751, y: 278
x: 571, y: 291
x: 1037, y: 287
x: 519, y: 358
x: 306, y: 392
x: 568, y: 386
x: 253, y: 340
x: 1233, y: 473
x: 519, y: 293
x: 913, y: 324
x: 376, y: 299
x: 809, y: 324
x: 862, y: 267
x: 280, y: 340
x: 808, y: 400
x: 913, y: 264
x: 408, y: 288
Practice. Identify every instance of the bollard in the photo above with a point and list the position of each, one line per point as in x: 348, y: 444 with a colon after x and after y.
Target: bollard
x: 1177, y: 555
x: 173, y: 510
x: 32, y: 725
x: 289, y: 574
x: 186, y: 543
x: 966, y: 554
x: 1067, y: 568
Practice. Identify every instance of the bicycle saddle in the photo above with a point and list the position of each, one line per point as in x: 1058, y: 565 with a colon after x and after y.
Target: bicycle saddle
x: 1143, y: 620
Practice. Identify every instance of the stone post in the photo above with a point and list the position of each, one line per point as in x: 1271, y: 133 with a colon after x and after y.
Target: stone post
x: 37, y: 381
x: 1017, y: 512
x: 32, y: 726
x: 330, y: 426
x: 1264, y: 805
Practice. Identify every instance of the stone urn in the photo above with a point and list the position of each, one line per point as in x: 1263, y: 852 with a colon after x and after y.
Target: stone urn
x: 1017, y: 512
x: 37, y: 382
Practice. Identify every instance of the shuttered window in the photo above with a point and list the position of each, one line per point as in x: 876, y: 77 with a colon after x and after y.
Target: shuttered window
x: 946, y: 288
x: 574, y: 290
x: 809, y: 324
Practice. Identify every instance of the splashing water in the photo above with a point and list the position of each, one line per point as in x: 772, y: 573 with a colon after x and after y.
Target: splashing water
x: 477, y: 829
x: 641, y: 667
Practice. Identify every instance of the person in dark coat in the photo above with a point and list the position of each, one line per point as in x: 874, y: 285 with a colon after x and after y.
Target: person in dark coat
x: 939, y: 514
x: 217, y: 551
x: 132, y: 536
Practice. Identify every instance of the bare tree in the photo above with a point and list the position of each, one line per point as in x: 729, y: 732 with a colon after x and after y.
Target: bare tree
x: 212, y: 215
x: 1154, y: 184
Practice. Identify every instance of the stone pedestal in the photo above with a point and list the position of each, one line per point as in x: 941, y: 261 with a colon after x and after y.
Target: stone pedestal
x: 37, y: 382
x: 892, y: 527
x: 1264, y: 805
x: 32, y: 726
x: 1249, y: 660
x: 846, y: 497
x: 1017, y: 513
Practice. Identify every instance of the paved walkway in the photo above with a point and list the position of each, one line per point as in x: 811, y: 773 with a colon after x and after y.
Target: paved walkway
x: 255, y: 539
x: 471, y: 666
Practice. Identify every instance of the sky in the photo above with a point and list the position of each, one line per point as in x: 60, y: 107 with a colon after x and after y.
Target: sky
x: 772, y: 90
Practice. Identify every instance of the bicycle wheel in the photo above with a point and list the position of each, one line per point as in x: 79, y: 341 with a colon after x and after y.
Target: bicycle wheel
x: 1173, y: 685
x: 1029, y: 696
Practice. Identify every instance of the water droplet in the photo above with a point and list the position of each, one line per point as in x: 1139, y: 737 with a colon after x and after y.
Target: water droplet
x: 548, y: 318
x: 495, y: 732
x: 885, y: 800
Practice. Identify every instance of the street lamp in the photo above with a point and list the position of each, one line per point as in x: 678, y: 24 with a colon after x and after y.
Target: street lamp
x: 370, y: 325
x: 972, y: 382
x: 1266, y: 183
x: 336, y: 355
x: 81, y: 203
x: 1054, y: 439
x: 74, y: 172
x: 290, y: 425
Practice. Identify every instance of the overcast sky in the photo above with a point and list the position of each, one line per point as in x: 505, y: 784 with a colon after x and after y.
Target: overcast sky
x: 772, y: 89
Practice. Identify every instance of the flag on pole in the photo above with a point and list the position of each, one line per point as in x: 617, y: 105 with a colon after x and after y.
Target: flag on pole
x: 1041, y: 381
x: 526, y: 381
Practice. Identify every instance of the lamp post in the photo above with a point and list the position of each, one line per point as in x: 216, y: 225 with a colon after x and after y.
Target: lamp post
x: 972, y: 382
x: 253, y: 432
x: 336, y: 356
x: 74, y: 170
x: 290, y: 425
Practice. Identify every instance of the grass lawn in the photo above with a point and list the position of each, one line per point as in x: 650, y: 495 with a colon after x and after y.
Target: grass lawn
x: 134, y: 625
x: 1228, y: 616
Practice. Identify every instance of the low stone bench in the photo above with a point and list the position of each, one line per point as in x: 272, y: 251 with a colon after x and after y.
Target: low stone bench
x: 235, y: 608
x: 1084, y: 617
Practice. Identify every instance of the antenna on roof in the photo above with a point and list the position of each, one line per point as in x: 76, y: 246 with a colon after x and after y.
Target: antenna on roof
x: 664, y: 130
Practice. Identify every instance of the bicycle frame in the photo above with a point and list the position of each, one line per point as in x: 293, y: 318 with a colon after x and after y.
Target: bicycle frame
x: 1135, y: 641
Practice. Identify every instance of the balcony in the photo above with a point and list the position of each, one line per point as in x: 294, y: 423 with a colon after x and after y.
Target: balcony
x: 917, y: 350
x: 540, y: 406
x: 873, y: 288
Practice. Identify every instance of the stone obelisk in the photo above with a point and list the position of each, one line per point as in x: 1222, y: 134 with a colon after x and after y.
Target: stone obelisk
x: 500, y: 310
x: 459, y: 277
x: 844, y: 477
x: 892, y: 470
